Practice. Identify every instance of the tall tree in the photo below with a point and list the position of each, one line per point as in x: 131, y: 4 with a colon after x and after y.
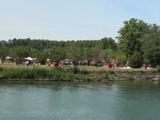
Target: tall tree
x: 151, y: 48
x: 130, y: 35
x: 130, y: 40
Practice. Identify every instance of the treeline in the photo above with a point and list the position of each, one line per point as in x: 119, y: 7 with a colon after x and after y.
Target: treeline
x: 138, y: 42
x: 59, y: 50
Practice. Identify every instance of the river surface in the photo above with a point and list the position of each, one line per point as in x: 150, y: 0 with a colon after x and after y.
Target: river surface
x: 134, y: 100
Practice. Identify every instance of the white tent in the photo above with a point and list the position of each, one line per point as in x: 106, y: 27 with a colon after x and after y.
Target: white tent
x: 7, y: 58
x: 28, y: 58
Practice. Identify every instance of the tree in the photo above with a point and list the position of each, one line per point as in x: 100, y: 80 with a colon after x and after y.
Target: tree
x: 130, y: 35
x: 42, y: 56
x: 75, y: 53
x: 130, y: 42
x: 136, y: 60
x: 57, y: 53
x: 151, y: 48
x: 20, y: 51
x: 108, y: 43
x: 95, y: 53
x: 87, y: 53
x: 3, y: 53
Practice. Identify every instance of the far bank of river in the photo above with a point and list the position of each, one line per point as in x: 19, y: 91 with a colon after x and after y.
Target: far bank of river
x: 76, y: 75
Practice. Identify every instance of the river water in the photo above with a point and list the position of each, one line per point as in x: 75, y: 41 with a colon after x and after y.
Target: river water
x: 134, y: 100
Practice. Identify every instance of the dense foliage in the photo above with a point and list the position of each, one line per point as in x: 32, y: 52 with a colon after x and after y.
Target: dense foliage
x: 138, y: 42
x: 59, y: 50
x: 136, y: 60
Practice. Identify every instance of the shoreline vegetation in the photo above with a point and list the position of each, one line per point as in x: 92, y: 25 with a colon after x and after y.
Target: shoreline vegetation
x: 134, y: 55
x: 9, y: 73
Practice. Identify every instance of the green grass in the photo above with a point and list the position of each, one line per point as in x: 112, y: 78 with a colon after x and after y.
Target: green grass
x: 39, y: 73
x: 65, y: 73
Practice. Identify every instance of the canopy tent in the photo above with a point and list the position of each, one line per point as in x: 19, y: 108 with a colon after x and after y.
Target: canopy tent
x: 28, y: 58
x: 8, y: 57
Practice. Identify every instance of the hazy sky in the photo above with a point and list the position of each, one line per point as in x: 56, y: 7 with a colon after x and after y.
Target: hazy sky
x: 71, y: 19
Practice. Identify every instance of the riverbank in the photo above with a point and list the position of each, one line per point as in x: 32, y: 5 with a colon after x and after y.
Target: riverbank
x: 122, y: 75
x: 79, y: 74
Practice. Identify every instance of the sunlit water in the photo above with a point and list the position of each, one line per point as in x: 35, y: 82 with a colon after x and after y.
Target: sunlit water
x: 61, y: 101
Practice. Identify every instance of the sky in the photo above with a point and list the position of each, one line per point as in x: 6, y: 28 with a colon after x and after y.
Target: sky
x: 72, y: 19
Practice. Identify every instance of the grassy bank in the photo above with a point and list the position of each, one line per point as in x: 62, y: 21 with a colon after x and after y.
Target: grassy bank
x: 83, y: 73
x: 35, y: 74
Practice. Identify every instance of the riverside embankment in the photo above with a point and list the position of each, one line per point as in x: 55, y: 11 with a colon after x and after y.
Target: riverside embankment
x: 76, y: 74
